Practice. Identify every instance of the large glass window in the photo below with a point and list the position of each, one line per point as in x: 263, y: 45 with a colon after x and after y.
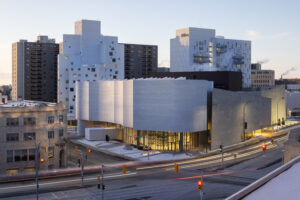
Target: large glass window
x: 50, y: 119
x: 12, y: 137
x: 29, y: 136
x: 61, y: 132
x: 21, y: 155
x: 29, y: 121
x: 61, y: 118
x: 31, y: 154
x: 50, y: 134
x: 9, y: 156
x: 12, y: 122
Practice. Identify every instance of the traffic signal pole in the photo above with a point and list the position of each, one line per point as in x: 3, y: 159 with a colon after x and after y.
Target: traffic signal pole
x: 37, y: 166
x: 102, y: 182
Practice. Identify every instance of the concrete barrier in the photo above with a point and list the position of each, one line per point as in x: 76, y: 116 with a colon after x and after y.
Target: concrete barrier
x: 255, y: 185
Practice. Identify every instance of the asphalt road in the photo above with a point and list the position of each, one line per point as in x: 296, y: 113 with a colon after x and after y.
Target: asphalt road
x: 158, y: 181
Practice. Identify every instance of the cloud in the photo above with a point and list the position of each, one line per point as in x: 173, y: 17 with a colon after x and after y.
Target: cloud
x: 255, y: 35
x: 5, y: 78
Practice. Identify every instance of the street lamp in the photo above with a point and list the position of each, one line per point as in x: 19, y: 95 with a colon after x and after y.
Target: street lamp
x: 37, y: 165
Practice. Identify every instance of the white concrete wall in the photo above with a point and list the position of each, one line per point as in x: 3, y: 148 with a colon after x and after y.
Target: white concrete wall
x: 158, y: 105
x: 100, y: 133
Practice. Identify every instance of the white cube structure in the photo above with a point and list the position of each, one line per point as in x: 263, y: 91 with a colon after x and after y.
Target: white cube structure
x: 87, y: 55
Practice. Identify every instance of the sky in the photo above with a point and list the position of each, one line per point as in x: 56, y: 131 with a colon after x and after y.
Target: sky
x: 273, y: 26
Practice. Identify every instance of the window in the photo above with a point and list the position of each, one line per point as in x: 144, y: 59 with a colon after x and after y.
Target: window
x: 110, y: 53
x: 116, y: 66
x: 50, y: 119
x: 21, y: 155
x: 71, y: 89
x: 31, y: 154
x: 93, y: 69
x: 29, y: 136
x: 29, y: 121
x: 50, y: 134
x: 9, y: 156
x: 12, y: 137
x: 10, y: 172
x: 12, y: 122
x: 61, y: 132
x: 50, y: 152
x: 67, y: 57
x: 113, y: 60
x: 61, y: 118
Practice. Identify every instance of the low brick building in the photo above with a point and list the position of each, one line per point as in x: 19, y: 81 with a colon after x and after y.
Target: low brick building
x: 23, y: 124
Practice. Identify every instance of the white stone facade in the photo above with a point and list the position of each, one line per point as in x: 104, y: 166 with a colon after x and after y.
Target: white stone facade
x: 87, y: 55
x: 197, y: 49
x: 170, y: 105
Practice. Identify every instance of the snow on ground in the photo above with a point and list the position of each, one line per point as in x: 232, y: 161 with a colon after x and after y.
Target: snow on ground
x: 284, y: 186
x: 121, y: 149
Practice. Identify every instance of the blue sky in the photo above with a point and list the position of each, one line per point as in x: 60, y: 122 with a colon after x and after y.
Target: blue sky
x: 273, y: 26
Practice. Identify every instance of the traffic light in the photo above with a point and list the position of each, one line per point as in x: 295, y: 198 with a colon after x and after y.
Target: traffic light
x: 76, y: 149
x: 200, y: 184
x: 221, y: 148
x: 78, y: 162
x: 264, y: 147
x: 42, y: 160
x: 124, y: 169
x: 99, y: 181
x: 89, y: 151
x: 176, y: 168
x: 103, y: 187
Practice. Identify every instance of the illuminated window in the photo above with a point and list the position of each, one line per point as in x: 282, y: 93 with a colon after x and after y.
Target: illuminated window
x: 116, y: 66
x: 29, y: 170
x: 104, y: 65
x: 10, y: 172
x: 67, y: 57
x: 74, y: 76
x: 83, y: 58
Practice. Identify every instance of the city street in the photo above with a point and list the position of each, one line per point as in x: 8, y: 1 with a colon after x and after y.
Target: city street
x: 159, y: 181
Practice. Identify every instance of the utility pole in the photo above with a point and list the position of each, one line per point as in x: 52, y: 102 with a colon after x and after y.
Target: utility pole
x: 82, y: 167
x: 37, y: 166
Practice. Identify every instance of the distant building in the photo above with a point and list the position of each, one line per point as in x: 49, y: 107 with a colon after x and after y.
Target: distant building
x: 261, y: 78
x: 140, y: 60
x: 3, y: 98
x: 197, y: 49
x: 34, y: 70
x: 226, y: 80
x: 24, y: 123
x: 87, y: 55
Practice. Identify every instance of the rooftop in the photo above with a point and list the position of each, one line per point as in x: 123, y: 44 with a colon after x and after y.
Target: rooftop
x: 21, y: 104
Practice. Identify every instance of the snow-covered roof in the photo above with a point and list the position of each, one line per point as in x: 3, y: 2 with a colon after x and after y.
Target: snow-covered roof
x: 24, y: 104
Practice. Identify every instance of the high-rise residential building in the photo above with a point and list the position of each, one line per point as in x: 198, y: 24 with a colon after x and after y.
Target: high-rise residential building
x: 34, y: 70
x: 24, y: 124
x: 198, y: 49
x: 87, y: 55
x: 261, y: 78
x: 140, y: 60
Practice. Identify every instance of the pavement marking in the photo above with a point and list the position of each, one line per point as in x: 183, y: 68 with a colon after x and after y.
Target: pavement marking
x: 67, y: 181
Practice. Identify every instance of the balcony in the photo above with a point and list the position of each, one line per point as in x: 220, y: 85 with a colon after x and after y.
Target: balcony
x: 238, y: 59
x: 201, y: 58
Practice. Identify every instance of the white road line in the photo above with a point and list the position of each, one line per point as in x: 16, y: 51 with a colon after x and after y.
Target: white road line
x: 67, y: 181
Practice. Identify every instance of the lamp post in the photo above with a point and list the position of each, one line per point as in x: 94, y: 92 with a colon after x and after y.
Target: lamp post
x: 37, y: 165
